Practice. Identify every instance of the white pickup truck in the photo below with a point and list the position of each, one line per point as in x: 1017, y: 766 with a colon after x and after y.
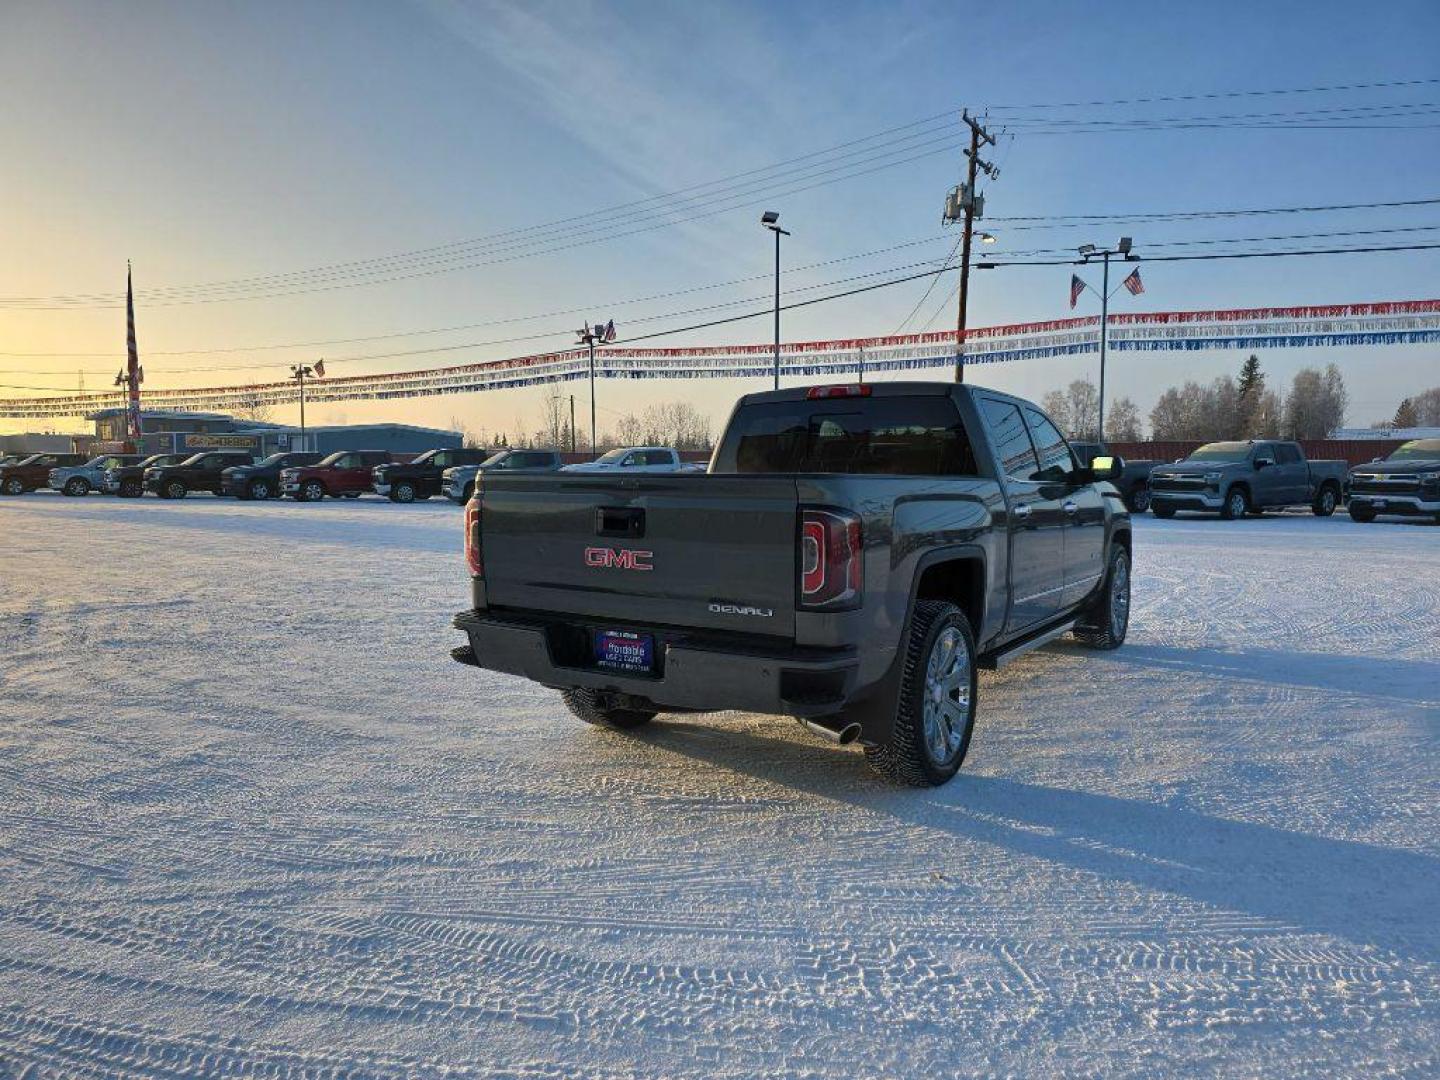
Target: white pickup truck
x: 638, y: 459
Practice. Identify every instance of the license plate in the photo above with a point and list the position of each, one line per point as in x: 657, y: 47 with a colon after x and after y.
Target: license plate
x: 622, y: 650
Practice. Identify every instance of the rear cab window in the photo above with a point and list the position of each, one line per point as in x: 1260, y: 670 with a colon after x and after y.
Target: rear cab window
x: 891, y: 436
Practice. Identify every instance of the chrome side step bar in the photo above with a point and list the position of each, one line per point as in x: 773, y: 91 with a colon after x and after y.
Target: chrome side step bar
x: 997, y: 660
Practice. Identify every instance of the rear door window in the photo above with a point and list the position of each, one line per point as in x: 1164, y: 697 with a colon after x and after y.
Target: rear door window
x: 1286, y: 454
x: 1012, y: 441
x: 1056, y: 461
x: 892, y: 436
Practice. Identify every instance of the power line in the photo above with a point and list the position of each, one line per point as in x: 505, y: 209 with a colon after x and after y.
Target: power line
x: 647, y: 205
x: 1209, y: 256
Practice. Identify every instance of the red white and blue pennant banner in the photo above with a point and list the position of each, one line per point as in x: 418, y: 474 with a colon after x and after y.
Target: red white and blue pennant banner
x: 1395, y: 323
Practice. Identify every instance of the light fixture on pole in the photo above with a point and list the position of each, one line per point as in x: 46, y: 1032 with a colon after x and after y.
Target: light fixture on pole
x: 301, y: 372
x: 601, y: 333
x: 1088, y: 252
x: 771, y: 220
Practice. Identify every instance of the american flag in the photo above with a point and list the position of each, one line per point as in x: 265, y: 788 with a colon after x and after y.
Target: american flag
x: 1133, y: 282
x: 320, y: 368
x: 609, y: 334
x: 1076, y: 288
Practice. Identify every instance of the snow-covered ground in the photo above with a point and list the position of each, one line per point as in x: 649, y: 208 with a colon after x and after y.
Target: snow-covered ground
x: 254, y: 822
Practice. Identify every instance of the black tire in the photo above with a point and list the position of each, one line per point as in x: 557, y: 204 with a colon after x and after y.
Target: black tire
x: 1236, y: 504
x: 469, y: 493
x: 589, y: 706
x: 311, y: 491
x: 1162, y: 511
x: 1326, y: 500
x: 1362, y: 514
x: 77, y: 486
x: 908, y: 757
x: 1139, y: 500
x: 131, y: 489
x: 259, y: 489
x: 13, y: 486
x: 175, y: 489
x: 1106, y: 621
x: 403, y: 492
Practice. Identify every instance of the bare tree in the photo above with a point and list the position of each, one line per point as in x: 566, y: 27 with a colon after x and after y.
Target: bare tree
x: 629, y: 431
x: 1316, y: 403
x: 1427, y: 408
x: 254, y: 408
x: 1122, y: 421
x: 1076, y: 410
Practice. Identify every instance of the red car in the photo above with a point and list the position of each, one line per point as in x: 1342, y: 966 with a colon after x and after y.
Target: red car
x: 346, y: 473
x: 33, y: 472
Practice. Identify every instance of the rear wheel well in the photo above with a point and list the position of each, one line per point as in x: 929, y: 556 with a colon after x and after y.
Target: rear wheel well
x: 958, y: 581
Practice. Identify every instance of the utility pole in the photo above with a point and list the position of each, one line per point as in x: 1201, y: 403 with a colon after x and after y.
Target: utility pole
x: 1088, y: 252
x: 966, y: 204
x: 572, y: 423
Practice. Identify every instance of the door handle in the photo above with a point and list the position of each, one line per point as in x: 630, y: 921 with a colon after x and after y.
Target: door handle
x: 1022, y: 511
x: 1070, y: 507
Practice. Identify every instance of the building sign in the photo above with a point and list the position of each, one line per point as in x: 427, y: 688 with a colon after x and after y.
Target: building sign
x: 217, y: 442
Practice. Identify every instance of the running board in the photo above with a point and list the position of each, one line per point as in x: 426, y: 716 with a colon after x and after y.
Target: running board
x: 997, y: 660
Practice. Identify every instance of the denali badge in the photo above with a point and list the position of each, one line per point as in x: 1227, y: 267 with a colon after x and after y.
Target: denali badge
x: 619, y: 558
x: 740, y: 609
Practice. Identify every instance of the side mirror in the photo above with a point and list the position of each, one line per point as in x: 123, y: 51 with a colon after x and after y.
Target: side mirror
x: 1262, y: 463
x: 1106, y: 467
x: 1376, y: 460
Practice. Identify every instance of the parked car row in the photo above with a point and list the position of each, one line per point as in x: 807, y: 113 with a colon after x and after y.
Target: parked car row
x: 310, y: 477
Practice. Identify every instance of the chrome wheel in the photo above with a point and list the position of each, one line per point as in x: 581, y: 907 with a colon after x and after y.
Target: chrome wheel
x: 1120, y: 598
x: 313, y: 492
x: 1140, y: 500
x: 947, y: 696
x: 1238, y: 504
x: 260, y: 490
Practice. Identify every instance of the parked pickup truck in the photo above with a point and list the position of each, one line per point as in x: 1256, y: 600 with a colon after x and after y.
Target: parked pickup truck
x: 421, y: 478
x: 128, y: 481
x: 458, y: 483
x: 83, y: 479
x: 638, y: 459
x: 1239, y: 478
x: 348, y: 472
x: 199, y: 472
x: 261, y: 480
x: 853, y: 556
x: 33, y: 472
x: 1407, y: 482
x: 1133, y: 483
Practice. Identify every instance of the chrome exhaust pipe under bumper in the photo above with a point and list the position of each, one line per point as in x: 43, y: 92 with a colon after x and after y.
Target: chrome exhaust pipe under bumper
x: 844, y: 735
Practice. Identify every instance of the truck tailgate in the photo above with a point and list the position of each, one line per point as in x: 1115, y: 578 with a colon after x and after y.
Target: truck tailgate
x: 699, y: 551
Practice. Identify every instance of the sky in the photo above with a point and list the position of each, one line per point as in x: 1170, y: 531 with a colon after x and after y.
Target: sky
x: 210, y: 142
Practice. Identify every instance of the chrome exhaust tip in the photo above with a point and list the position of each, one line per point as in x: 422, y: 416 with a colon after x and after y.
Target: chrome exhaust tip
x: 843, y: 735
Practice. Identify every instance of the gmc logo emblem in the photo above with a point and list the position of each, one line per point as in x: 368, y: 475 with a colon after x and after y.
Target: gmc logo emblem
x: 619, y: 558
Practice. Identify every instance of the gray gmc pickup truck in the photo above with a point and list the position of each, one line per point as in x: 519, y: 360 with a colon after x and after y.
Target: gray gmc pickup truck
x: 851, y: 558
x: 1238, y: 478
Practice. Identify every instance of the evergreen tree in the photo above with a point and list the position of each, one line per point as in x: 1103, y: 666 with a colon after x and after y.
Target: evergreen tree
x: 1406, y: 416
x: 1252, y: 379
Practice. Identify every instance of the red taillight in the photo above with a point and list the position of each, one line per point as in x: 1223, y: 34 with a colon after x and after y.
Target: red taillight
x: 844, y: 390
x: 472, y: 538
x: 831, y: 553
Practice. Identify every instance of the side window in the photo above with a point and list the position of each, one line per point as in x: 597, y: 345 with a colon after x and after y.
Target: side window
x: 633, y: 459
x: 441, y: 461
x: 1056, y: 461
x: 1012, y: 442
x: 1286, y: 455
x: 347, y: 462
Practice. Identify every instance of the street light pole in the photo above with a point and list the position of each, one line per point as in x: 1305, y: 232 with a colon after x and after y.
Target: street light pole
x: 590, y: 335
x: 1088, y: 252
x: 771, y: 220
x: 299, y: 372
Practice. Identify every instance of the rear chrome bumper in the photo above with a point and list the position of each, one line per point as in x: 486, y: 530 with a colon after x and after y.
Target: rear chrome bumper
x: 692, y: 676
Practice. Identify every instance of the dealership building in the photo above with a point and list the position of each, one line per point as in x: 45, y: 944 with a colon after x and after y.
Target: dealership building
x: 176, y: 432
